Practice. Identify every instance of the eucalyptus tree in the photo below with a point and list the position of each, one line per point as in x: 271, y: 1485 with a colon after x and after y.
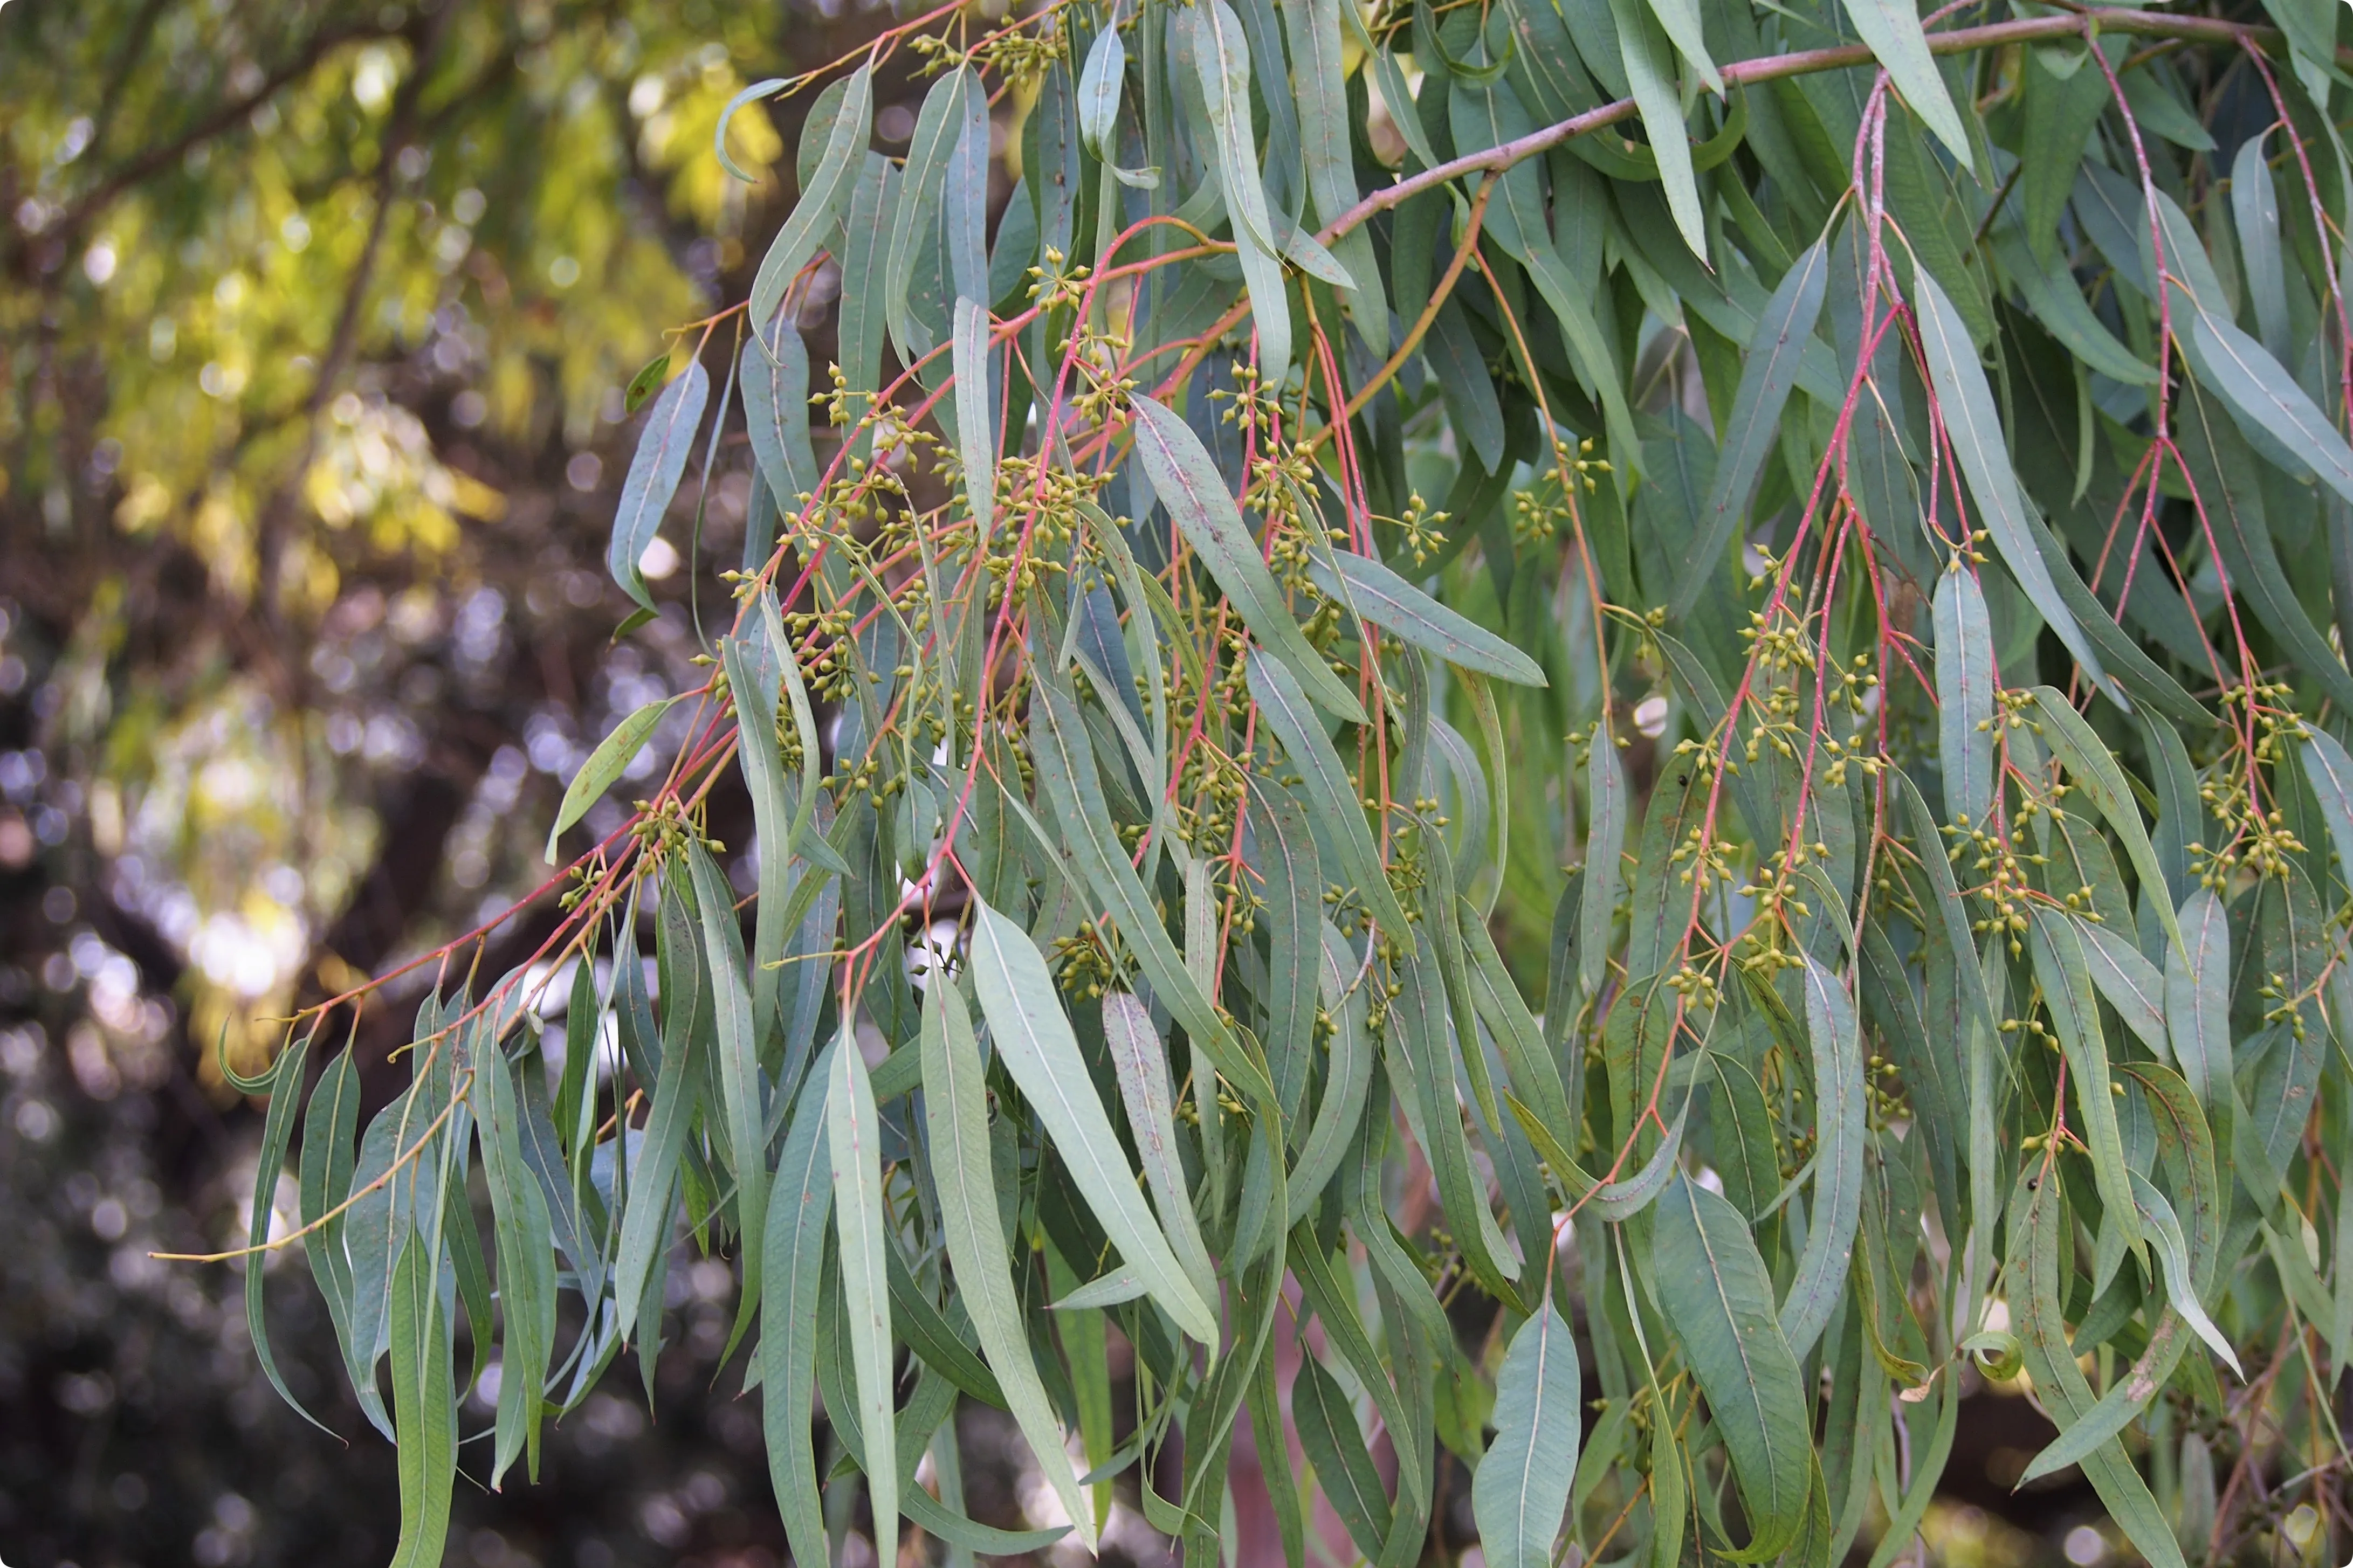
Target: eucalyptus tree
x: 1852, y: 487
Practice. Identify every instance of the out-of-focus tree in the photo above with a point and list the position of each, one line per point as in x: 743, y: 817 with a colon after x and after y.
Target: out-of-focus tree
x: 313, y: 319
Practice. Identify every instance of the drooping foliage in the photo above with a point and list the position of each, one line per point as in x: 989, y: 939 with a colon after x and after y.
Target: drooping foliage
x: 1904, y: 456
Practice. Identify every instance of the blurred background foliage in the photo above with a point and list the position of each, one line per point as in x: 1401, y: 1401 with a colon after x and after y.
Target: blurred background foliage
x: 315, y: 324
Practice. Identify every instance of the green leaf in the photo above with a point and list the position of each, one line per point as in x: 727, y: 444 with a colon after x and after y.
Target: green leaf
x: 1663, y: 903
x: 2094, y: 767
x: 752, y: 94
x: 1388, y: 601
x: 646, y: 382
x: 774, y: 376
x: 1141, y: 1066
x: 1891, y: 30
x: 860, y: 320
x: 2129, y: 981
x: 1520, y: 1488
x: 975, y: 409
x: 2222, y: 471
x: 1333, y: 1304
x: 1719, y: 1300
x: 1223, y: 61
x: 424, y: 1406
x: 1518, y: 1035
x: 793, y: 1260
x: 1098, y: 91
x: 1327, y: 1426
x: 927, y: 1331
x: 1108, y: 1291
x: 1965, y: 403
x: 823, y: 195
x: 1606, y: 794
x: 329, y: 1126
x: 2254, y: 211
x: 1186, y: 481
x: 2061, y: 110
x: 2065, y: 976
x: 1815, y: 1291
x: 1680, y: 20
x: 1767, y: 376
x: 2265, y: 395
x: 604, y: 766
x: 1331, y: 798
x: 2164, y: 1230
x: 2039, y: 1209
x: 285, y: 1090
x: 664, y: 442
x: 1318, y: 69
x: 1649, y: 72
x: 653, y: 1183
x: 1067, y: 772
x: 1348, y: 1074
x: 853, y: 1141
x: 1966, y: 681
x: 1421, y: 1068
x: 739, y: 1068
x: 526, y: 1261
x: 956, y: 1117
x: 2197, y: 999
x: 1670, y: 1493
x: 376, y: 1231
x: 1463, y: 383
x: 2050, y: 291
x: 1033, y: 1036
x: 1293, y: 888
x: 2330, y: 772
x: 760, y: 666
x: 915, y: 225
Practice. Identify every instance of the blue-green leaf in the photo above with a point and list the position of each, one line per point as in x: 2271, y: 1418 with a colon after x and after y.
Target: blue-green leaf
x: 774, y: 376
x: 823, y: 195
x: 1099, y: 89
x: 2065, y: 976
x: 424, y: 1406
x: 794, y: 1257
x: 1388, y: 601
x: 1767, y: 376
x: 1719, y: 1300
x: 1649, y: 70
x: 752, y: 94
x: 2263, y: 395
x: 664, y: 442
x: 526, y: 1260
x: 738, y: 1063
x: 1187, y: 482
x: 1891, y: 30
x: 1034, y: 1039
x: 1140, y: 1064
x: 975, y: 407
x: 1325, y: 786
x: 1965, y: 679
x: 2198, y: 998
x: 2094, y: 767
x: 284, y: 1087
x: 1815, y: 1291
x: 1520, y: 1488
x: 604, y: 766
x: 853, y: 1141
x: 1965, y: 403
x: 915, y: 226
